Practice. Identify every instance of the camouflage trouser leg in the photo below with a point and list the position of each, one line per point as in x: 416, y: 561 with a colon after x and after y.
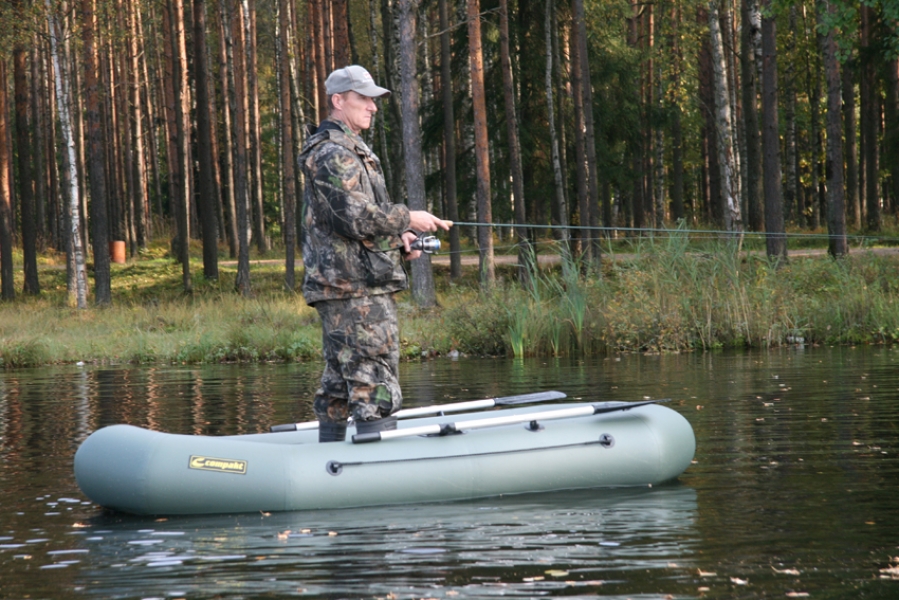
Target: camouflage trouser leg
x: 360, y: 342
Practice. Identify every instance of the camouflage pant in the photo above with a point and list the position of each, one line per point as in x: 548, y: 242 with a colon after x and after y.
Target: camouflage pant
x: 360, y: 341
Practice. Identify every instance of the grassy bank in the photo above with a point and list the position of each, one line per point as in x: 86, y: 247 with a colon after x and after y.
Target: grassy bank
x: 656, y: 296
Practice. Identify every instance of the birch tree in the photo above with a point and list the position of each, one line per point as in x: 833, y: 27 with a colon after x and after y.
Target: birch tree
x: 75, y: 249
x: 724, y: 125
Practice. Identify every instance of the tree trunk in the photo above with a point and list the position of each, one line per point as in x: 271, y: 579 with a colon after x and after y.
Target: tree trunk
x: 449, y: 140
x: 7, y: 285
x: 836, y: 199
x: 96, y: 158
x: 182, y: 128
x: 228, y: 180
x: 751, y: 32
x: 486, y: 264
x: 288, y: 177
x: 849, y: 134
x: 580, y: 148
x: 525, y: 252
x: 423, y: 290
x: 561, y: 204
x: 579, y: 30
x: 341, y: 21
x: 869, y: 117
x: 237, y: 102
x: 724, y: 125
x: 139, y: 198
x: 891, y: 128
x: 69, y: 163
x: 775, y: 240
x: 26, y: 193
x: 205, y: 159
x: 255, y: 140
x: 40, y: 176
x: 677, y: 137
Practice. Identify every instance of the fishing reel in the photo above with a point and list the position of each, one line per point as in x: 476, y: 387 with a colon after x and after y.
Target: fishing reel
x: 426, y: 243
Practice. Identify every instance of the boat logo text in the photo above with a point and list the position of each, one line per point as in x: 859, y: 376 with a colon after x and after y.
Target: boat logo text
x: 222, y: 465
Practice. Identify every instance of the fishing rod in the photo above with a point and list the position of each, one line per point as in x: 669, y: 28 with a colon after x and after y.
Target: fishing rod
x: 667, y: 231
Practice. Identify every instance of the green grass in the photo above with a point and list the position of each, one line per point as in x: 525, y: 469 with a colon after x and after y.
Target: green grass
x: 651, y: 295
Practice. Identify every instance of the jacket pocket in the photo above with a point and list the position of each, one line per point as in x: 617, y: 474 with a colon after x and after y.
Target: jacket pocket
x: 379, y: 267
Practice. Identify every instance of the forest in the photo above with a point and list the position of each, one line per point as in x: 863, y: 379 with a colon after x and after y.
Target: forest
x: 568, y: 122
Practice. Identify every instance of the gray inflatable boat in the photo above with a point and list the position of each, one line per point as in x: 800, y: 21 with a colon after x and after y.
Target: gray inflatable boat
x: 426, y: 459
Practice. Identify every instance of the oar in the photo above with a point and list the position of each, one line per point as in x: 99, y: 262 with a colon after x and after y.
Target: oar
x: 451, y: 428
x: 408, y: 413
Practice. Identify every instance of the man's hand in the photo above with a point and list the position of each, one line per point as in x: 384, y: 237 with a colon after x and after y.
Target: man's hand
x: 422, y: 221
x: 409, y: 237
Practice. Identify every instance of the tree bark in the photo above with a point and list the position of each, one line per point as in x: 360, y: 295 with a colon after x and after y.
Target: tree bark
x: 869, y: 117
x: 96, y: 158
x: 449, y: 140
x: 525, y: 252
x: 228, y: 181
x: 750, y: 34
x: 7, y: 285
x: 775, y: 240
x: 677, y: 137
x: 724, y: 125
x: 580, y: 147
x: 141, y: 187
x: 288, y: 176
x: 254, y: 169
x: 486, y: 264
x: 836, y: 199
x: 75, y: 249
x: 341, y: 20
x: 579, y: 30
x: 850, y: 131
x: 206, y: 184
x: 31, y: 284
x: 558, y: 178
x: 237, y: 102
x: 423, y: 290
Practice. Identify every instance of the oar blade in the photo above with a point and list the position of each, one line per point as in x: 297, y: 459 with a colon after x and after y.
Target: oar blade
x: 607, y: 407
x: 529, y: 398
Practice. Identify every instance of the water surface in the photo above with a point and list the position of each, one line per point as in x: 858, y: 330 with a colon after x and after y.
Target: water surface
x: 794, y: 489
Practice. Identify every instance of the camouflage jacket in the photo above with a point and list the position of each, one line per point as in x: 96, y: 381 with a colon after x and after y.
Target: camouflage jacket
x: 351, y: 229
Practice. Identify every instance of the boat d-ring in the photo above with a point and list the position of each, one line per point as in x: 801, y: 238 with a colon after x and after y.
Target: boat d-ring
x: 606, y: 440
x: 334, y: 467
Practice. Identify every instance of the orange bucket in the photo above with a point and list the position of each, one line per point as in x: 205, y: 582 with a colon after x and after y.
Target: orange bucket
x: 117, y: 252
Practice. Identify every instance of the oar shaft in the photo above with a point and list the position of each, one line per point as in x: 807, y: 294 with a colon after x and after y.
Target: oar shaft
x: 549, y: 415
x: 408, y: 413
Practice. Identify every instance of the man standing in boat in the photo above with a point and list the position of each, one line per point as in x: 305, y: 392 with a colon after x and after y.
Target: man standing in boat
x: 354, y: 237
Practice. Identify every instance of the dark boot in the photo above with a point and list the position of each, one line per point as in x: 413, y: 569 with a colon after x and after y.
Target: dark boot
x: 385, y: 424
x: 328, y: 431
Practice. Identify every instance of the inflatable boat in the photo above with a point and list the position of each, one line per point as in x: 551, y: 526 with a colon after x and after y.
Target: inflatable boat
x: 432, y: 456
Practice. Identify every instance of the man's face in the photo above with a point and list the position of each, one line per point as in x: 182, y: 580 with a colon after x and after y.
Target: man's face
x: 355, y: 110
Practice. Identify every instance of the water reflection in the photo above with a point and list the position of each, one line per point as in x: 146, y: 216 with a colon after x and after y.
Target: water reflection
x: 518, y: 546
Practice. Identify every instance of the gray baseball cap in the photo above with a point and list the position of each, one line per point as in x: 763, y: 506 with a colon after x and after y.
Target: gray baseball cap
x: 353, y: 78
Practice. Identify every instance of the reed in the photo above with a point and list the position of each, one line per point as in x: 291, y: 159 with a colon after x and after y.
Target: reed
x: 658, y: 295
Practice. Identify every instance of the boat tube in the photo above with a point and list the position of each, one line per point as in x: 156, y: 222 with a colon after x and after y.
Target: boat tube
x: 430, y: 459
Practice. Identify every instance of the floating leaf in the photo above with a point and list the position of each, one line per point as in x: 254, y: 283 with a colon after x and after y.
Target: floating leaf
x: 556, y: 573
x: 786, y: 571
x: 739, y: 581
